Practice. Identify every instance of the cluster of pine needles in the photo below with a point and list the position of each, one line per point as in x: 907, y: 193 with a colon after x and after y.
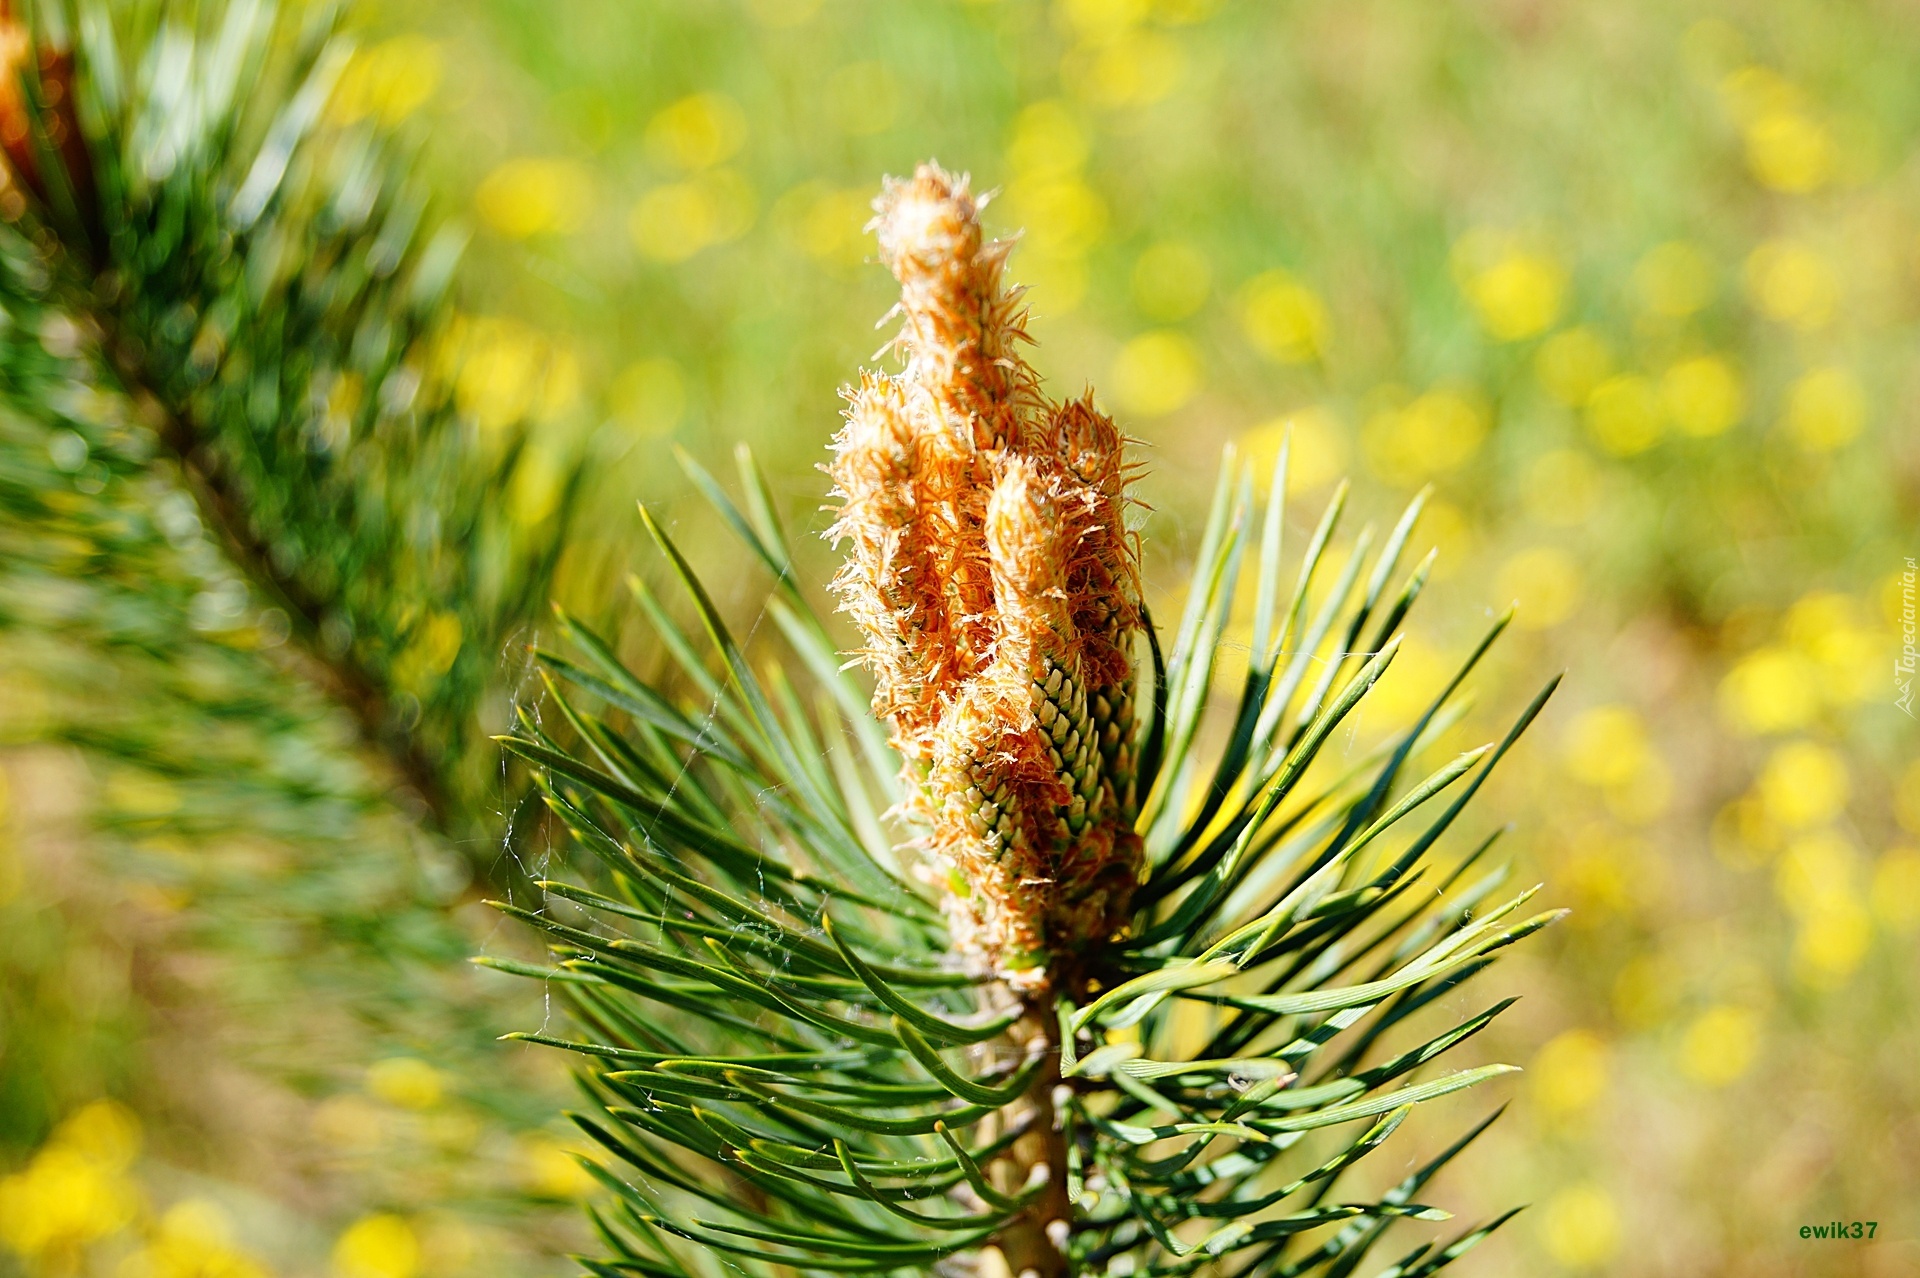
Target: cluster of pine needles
x: 1042, y: 986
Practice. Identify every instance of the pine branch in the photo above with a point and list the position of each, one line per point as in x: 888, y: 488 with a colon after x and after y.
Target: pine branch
x: 889, y: 1047
x: 246, y: 254
x: 337, y: 673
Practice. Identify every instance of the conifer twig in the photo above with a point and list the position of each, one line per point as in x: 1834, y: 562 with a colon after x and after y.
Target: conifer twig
x: 1083, y: 1127
x: 254, y: 269
x: 344, y: 680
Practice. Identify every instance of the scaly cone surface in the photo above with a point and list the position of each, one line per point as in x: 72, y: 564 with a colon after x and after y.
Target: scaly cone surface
x: 991, y: 572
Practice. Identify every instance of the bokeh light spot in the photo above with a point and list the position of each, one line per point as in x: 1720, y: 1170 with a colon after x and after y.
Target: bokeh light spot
x: 529, y: 196
x: 1569, y: 1074
x: 1570, y: 364
x: 1703, y: 395
x: 672, y: 223
x: 697, y: 132
x: 1804, y: 783
x: 1720, y: 1045
x: 407, y: 1081
x: 1607, y: 745
x: 1438, y: 432
x: 1156, y: 373
x: 1545, y: 582
x: 1284, y: 319
x: 377, y: 1246
x: 1516, y: 290
x: 1787, y: 151
x: 387, y: 81
x: 1674, y: 279
x: 1770, y: 690
x: 1623, y: 415
x: 1580, y: 1226
x: 1316, y: 456
x: 1047, y: 140
x: 1171, y: 280
x: 1793, y: 284
x: 1826, y: 410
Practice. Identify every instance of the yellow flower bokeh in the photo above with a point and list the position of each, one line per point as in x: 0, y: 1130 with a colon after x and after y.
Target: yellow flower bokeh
x: 406, y: 1081
x: 698, y: 131
x: 505, y: 372
x: 387, y: 81
x: 76, y: 1189
x: 672, y: 223
x: 1316, y: 453
x: 1815, y: 871
x: 1103, y: 21
x: 431, y: 651
x: 825, y: 222
x: 1789, y: 151
x: 1608, y: 747
x: 383, y: 1245
x: 1580, y: 1226
x: 1624, y: 415
x: 194, y: 1239
x: 1674, y: 279
x: 1831, y: 944
x: 1171, y: 280
x: 1134, y: 68
x: 1059, y: 215
x: 1703, y: 395
x: 1437, y: 432
x: 1517, y: 290
x: 1156, y: 373
x: 1569, y: 1073
x: 1804, y: 784
x: 533, y: 195
x: 552, y: 1169
x: 1792, y: 283
x: 1721, y: 1045
x: 1284, y: 319
x: 1571, y: 364
x: 1545, y: 581
x: 1832, y: 630
x: 1773, y: 689
x: 1820, y: 881
x: 1047, y: 141
x: 1826, y: 410
x: 1601, y: 872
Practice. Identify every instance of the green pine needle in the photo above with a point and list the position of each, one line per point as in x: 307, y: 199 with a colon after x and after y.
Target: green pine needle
x: 843, y: 1059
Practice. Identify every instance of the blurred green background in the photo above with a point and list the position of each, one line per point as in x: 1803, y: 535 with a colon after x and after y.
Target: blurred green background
x: 1636, y: 289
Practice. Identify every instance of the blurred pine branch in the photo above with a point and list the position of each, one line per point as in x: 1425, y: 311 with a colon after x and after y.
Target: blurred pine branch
x: 194, y: 213
x: 250, y: 530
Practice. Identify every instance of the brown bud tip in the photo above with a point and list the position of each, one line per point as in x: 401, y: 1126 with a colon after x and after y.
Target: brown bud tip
x: 929, y: 229
x: 1025, y: 550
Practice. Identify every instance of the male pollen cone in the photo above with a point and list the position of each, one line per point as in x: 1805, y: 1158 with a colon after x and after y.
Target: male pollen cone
x: 991, y: 572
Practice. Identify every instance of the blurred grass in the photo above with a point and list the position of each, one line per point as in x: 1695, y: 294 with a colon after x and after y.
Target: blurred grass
x: 1635, y: 289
